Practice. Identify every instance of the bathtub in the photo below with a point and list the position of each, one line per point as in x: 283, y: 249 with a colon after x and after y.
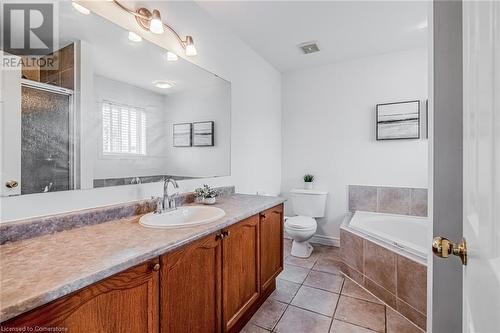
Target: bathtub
x: 387, y: 254
x: 397, y: 232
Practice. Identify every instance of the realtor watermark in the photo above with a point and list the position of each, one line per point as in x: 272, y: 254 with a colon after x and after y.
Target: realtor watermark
x: 29, y: 35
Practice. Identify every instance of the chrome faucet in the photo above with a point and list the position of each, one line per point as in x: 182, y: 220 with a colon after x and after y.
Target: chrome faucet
x: 169, y: 200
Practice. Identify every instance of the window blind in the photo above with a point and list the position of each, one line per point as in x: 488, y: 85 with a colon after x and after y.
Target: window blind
x: 123, y: 129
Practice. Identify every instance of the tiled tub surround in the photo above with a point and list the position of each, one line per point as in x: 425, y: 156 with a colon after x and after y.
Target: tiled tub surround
x: 38, y: 226
x: 390, y: 275
x: 392, y: 200
x: 312, y: 296
x: 38, y: 270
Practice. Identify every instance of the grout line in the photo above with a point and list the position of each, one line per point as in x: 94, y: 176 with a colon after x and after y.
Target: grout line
x: 364, y: 327
x: 336, y: 306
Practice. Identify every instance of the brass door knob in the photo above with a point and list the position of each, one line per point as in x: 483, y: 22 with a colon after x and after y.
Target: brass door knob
x: 156, y: 267
x: 11, y: 184
x: 443, y: 247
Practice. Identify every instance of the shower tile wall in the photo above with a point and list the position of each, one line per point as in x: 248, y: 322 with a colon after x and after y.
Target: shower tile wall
x: 392, y: 200
x: 63, y: 73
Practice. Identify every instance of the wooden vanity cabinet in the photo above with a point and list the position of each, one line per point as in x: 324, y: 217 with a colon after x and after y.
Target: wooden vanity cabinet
x: 123, y: 303
x: 240, y: 270
x: 191, y: 288
x: 212, y: 285
x: 271, y: 246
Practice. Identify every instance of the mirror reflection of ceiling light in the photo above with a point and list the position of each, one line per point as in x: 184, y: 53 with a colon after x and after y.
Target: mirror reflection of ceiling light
x: 151, y: 21
x: 80, y: 8
x: 172, y: 56
x: 134, y: 37
x: 163, y: 84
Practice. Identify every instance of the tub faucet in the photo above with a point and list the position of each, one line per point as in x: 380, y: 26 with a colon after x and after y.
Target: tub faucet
x: 169, y: 200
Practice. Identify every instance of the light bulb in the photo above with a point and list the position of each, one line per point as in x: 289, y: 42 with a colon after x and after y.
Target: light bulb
x: 156, y: 25
x: 172, y: 56
x: 190, y: 48
x: 80, y: 8
x: 134, y: 37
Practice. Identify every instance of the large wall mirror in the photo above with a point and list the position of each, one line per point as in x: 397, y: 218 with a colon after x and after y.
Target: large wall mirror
x: 112, y: 111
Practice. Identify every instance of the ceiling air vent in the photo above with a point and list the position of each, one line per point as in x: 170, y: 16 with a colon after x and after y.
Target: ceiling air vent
x: 309, y: 47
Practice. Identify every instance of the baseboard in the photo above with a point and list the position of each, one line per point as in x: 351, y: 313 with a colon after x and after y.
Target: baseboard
x: 323, y: 240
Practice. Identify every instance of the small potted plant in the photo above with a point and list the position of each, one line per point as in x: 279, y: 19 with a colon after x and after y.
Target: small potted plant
x: 308, y: 181
x: 206, y: 194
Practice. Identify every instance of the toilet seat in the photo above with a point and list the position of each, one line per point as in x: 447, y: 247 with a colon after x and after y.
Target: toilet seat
x: 300, y: 223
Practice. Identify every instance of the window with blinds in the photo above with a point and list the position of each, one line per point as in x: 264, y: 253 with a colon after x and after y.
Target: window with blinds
x: 123, y: 129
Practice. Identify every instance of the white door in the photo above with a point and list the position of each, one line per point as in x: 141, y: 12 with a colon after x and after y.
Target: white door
x: 481, y: 168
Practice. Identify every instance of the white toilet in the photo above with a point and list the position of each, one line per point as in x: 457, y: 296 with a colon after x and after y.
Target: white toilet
x: 307, y: 205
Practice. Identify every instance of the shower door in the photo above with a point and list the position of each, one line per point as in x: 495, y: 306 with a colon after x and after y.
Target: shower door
x: 46, y: 138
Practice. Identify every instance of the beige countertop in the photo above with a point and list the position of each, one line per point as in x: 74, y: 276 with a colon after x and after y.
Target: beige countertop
x: 39, y: 270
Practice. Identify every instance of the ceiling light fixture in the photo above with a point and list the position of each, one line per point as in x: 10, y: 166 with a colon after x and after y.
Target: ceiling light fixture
x: 151, y: 21
x: 163, y: 84
x: 172, y: 56
x: 134, y: 37
x: 80, y: 8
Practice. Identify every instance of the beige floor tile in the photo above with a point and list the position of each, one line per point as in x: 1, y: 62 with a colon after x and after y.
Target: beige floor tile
x: 327, y: 265
x: 268, y: 314
x: 251, y: 328
x: 285, y: 290
x: 317, y: 300
x: 326, y: 281
x: 396, y: 323
x: 343, y: 327
x: 294, y: 273
x: 352, y: 289
x: 296, y: 320
x: 331, y: 252
x: 302, y: 262
x: 362, y: 313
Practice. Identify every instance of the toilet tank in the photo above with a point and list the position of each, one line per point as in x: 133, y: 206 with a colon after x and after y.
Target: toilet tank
x: 310, y: 203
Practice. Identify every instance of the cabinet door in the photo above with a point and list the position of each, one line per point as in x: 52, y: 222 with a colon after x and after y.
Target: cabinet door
x: 271, y: 245
x: 241, y: 277
x: 126, y: 302
x: 190, y: 288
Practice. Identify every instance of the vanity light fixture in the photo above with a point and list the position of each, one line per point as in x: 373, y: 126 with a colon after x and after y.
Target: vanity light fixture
x: 80, y: 8
x: 151, y: 21
x: 163, y: 84
x: 190, y: 48
x: 171, y: 56
x: 156, y: 25
x: 134, y: 37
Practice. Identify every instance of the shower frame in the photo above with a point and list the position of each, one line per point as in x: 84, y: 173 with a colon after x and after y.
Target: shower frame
x: 71, y: 114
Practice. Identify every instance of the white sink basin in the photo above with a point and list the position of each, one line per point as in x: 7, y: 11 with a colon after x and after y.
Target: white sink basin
x: 188, y: 216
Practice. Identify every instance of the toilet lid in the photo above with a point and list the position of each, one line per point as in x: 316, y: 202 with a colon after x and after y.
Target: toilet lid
x: 301, y: 222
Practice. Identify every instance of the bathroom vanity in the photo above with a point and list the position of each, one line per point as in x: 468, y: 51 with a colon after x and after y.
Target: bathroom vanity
x: 119, y: 276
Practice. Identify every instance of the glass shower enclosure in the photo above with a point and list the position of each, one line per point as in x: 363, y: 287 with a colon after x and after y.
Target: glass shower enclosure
x: 47, y: 145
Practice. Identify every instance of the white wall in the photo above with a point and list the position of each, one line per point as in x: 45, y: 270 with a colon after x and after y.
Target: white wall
x: 329, y: 128
x: 255, y: 117
x: 201, y: 104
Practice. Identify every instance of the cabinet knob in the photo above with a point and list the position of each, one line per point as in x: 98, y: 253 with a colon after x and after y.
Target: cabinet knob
x: 225, y: 233
x: 262, y: 215
x: 156, y: 267
x: 219, y: 236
